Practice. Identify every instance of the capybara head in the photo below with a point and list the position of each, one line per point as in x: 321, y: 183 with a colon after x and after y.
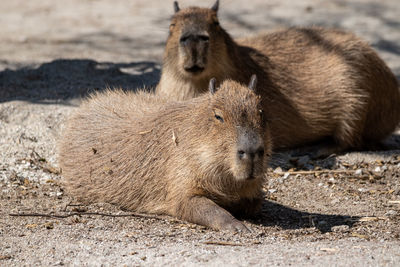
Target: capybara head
x: 194, y: 39
x: 241, y: 139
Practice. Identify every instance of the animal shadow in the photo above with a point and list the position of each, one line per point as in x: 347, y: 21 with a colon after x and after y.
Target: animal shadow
x: 64, y: 79
x: 274, y: 214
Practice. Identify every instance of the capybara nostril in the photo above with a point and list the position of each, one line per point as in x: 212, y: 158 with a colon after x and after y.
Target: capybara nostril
x: 186, y: 38
x: 241, y: 154
x: 260, y: 152
x: 204, y: 38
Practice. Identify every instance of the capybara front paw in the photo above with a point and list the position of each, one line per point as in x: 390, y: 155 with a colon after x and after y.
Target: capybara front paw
x: 235, y: 226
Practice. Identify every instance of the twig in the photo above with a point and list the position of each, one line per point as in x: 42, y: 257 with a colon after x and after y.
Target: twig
x: 145, y: 132
x: 317, y: 172
x: 222, y: 243
x: 62, y: 216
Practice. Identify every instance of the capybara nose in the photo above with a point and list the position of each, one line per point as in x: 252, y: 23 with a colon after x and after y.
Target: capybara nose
x: 195, y: 38
x: 251, y: 154
x: 250, y: 146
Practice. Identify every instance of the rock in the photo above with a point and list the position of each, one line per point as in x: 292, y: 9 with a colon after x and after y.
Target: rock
x: 391, y: 213
x: 340, y: 228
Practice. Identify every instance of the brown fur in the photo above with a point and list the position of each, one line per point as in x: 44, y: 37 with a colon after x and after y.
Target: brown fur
x: 314, y: 82
x: 149, y: 155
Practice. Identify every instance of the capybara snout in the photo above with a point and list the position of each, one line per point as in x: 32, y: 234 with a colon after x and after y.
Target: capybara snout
x: 193, y: 47
x: 250, y: 151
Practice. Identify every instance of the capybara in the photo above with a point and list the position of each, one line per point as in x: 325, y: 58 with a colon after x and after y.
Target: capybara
x: 314, y: 83
x: 195, y: 159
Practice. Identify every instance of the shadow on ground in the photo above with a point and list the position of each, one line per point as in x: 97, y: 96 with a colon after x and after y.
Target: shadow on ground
x: 274, y: 214
x: 64, y: 79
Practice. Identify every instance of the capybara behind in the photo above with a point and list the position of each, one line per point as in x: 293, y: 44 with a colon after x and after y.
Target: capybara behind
x: 314, y: 83
x: 195, y: 160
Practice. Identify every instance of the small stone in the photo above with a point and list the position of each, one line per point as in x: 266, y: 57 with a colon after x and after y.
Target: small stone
x: 340, y: 228
x: 285, y: 176
x: 49, y: 225
x: 278, y: 170
x: 358, y: 172
x: 391, y: 213
x: 377, y: 169
x: 335, y: 201
x: 272, y: 191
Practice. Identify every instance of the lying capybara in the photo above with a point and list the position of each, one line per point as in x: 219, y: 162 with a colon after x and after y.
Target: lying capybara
x: 195, y: 160
x: 314, y: 83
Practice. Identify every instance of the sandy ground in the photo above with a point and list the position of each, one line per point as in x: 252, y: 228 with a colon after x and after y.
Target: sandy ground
x: 54, y: 52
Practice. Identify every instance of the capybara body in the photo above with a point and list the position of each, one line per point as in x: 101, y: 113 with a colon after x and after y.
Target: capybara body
x: 314, y: 83
x: 195, y: 160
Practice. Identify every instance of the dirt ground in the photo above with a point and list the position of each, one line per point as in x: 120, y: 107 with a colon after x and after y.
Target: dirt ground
x: 341, y: 211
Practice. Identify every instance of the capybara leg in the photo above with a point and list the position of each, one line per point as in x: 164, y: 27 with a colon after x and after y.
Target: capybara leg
x: 204, y: 211
x: 246, y: 208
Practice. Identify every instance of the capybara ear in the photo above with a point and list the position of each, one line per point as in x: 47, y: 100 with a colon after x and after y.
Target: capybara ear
x: 176, y: 6
x: 253, y: 82
x: 211, y: 86
x: 215, y: 6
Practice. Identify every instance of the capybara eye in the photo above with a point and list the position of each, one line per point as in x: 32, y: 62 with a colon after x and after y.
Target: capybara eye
x: 219, y: 118
x: 216, y: 23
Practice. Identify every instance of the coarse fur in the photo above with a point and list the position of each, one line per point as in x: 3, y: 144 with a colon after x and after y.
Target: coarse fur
x: 147, y: 154
x: 314, y: 83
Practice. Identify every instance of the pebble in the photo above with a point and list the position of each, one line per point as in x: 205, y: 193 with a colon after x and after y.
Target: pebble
x: 358, y: 172
x: 340, y: 228
x: 377, y: 169
x: 335, y: 201
x: 285, y: 176
x: 391, y: 213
